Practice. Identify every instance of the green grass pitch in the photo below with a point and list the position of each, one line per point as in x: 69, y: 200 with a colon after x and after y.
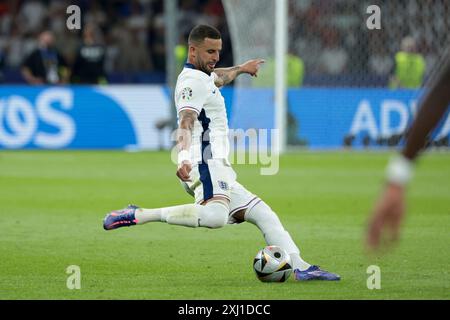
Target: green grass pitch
x: 52, y: 204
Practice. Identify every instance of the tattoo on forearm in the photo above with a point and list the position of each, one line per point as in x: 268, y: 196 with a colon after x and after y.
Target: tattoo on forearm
x: 187, y: 119
x: 227, y: 75
x: 184, y: 134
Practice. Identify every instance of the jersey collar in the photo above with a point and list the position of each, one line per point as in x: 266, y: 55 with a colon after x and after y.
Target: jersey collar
x: 189, y: 65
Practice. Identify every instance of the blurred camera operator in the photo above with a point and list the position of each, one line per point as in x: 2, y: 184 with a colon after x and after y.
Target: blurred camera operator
x: 45, y: 65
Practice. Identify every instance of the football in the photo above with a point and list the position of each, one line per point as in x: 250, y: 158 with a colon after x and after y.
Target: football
x: 272, y: 264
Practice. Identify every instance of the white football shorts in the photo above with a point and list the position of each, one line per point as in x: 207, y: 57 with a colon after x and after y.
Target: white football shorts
x: 217, y: 178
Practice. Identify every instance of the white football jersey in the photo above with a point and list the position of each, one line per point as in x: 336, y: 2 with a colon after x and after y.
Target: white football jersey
x: 196, y: 91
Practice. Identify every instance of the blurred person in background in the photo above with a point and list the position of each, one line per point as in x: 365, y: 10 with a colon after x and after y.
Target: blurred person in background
x: 90, y: 60
x: 32, y: 15
x: 295, y: 68
x: 157, y: 43
x: 45, y: 65
x: 133, y: 52
x: 389, y: 210
x: 410, y: 66
x: 333, y: 58
x: 96, y: 14
x: 380, y: 62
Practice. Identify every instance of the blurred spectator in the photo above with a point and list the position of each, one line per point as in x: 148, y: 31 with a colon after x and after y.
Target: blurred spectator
x: 112, y: 40
x: 333, y: 58
x: 327, y: 34
x: 137, y: 22
x: 209, y: 15
x: 380, y: 61
x: 18, y: 47
x: 90, y: 60
x: 294, y: 76
x: 7, y: 10
x: 57, y: 17
x: 96, y: 15
x: 409, y: 66
x: 45, y: 64
x: 187, y: 16
x: 67, y: 44
x: 356, y: 44
x: 31, y: 15
x: 158, y: 43
x: 134, y: 55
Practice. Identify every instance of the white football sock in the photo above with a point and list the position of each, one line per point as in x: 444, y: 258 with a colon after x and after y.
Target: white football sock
x: 147, y: 215
x: 274, y: 233
x: 212, y: 215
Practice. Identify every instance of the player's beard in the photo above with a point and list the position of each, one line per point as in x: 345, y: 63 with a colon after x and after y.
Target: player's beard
x: 205, y: 68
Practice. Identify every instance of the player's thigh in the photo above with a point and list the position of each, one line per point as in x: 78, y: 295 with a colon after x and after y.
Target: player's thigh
x: 215, y: 181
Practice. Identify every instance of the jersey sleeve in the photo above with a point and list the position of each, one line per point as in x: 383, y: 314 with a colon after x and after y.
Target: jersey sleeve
x: 191, y: 95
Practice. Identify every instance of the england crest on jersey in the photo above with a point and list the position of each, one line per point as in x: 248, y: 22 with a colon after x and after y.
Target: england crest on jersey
x: 223, y: 185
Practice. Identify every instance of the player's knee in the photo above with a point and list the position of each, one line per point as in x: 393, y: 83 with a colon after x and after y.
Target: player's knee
x: 216, y: 215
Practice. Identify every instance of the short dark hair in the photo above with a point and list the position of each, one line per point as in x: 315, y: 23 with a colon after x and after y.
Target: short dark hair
x: 200, y: 32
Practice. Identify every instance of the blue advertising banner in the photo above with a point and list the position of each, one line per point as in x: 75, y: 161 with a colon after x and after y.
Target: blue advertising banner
x: 332, y: 118
x: 118, y: 117
x: 328, y: 117
x: 84, y: 117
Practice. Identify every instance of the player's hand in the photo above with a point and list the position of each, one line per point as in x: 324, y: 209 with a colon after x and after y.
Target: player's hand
x: 252, y: 66
x: 388, y: 214
x: 184, y: 170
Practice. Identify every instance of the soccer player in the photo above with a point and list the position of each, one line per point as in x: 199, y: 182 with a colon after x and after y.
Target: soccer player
x: 390, y: 208
x: 203, y: 165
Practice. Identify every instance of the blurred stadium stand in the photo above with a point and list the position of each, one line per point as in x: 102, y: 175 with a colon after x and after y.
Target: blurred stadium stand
x: 123, y: 24
x: 329, y: 35
x: 332, y: 38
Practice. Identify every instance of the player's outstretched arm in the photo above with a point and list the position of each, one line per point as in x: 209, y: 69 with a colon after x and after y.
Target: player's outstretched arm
x: 390, y: 208
x: 227, y: 75
x: 433, y: 108
x: 184, y: 139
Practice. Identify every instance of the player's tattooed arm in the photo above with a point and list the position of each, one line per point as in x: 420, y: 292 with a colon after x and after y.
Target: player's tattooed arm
x: 184, y: 138
x: 184, y: 133
x: 227, y: 75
